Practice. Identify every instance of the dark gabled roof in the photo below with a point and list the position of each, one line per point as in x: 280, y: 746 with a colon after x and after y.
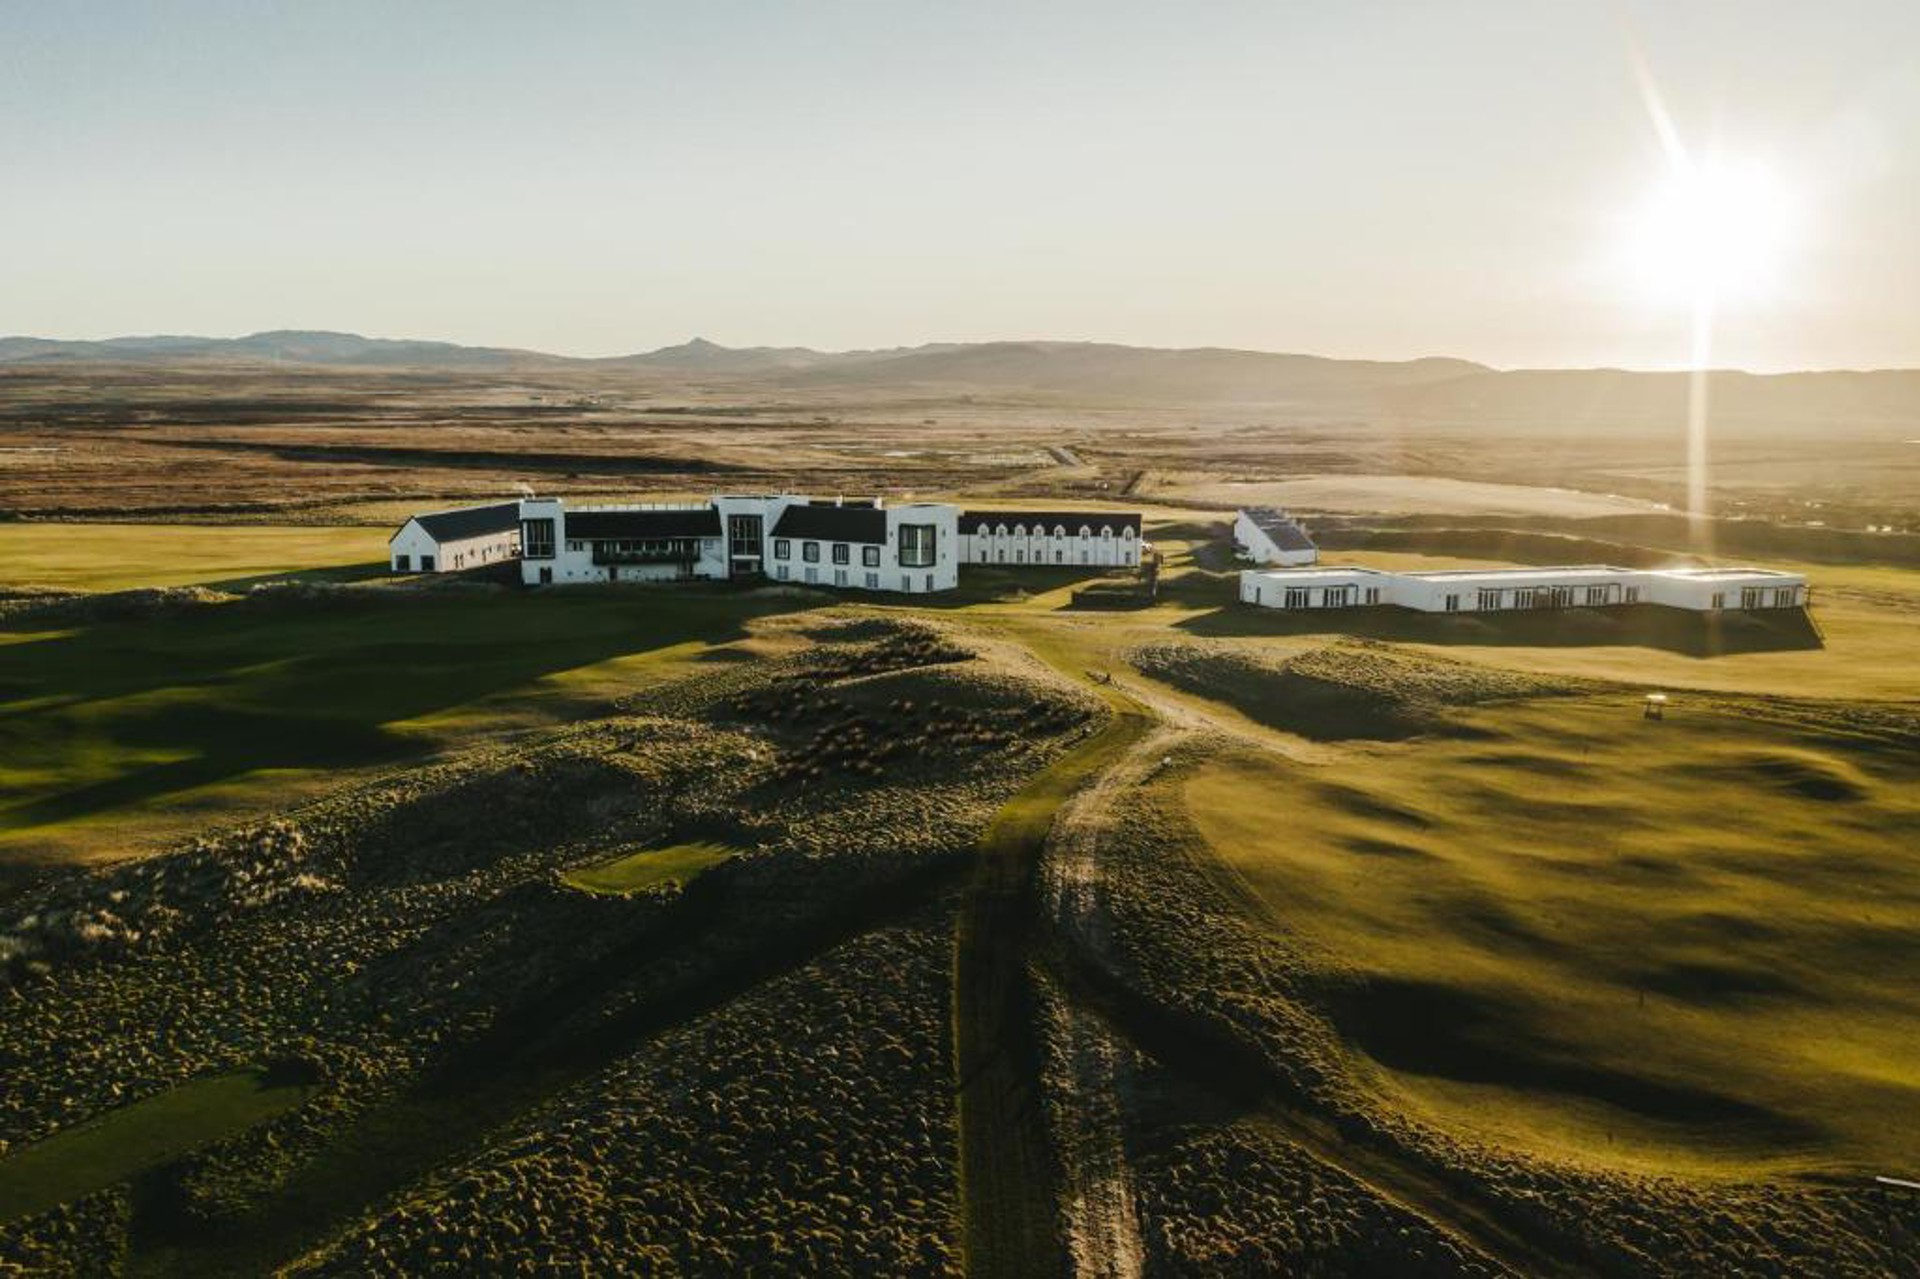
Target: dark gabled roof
x: 1288, y: 537
x: 468, y: 521
x: 643, y: 525
x: 1280, y: 528
x: 976, y: 522
x: 833, y: 523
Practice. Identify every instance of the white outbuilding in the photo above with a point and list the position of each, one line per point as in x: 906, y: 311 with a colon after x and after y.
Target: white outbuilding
x: 1268, y: 535
x: 1315, y: 587
x: 1712, y: 589
x: 450, y: 541
x: 1507, y: 589
x: 1521, y: 589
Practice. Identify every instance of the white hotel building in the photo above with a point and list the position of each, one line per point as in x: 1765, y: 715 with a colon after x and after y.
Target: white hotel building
x: 857, y: 545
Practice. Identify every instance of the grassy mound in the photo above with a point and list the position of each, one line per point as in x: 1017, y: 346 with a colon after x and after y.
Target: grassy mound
x: 1638, y: 944
x: 1349, y: 689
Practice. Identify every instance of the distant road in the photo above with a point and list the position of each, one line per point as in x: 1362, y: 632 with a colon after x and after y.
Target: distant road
x: 1064, y: 455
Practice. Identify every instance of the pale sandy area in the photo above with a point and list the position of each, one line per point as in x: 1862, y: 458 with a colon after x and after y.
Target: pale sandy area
x: 1408, y: 495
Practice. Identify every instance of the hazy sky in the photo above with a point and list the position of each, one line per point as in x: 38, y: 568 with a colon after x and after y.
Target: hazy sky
x: 1377, y: 179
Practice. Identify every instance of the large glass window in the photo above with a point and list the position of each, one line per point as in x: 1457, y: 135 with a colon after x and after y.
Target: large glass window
x: 810, y: 552
x: 842, y: 553
x: 918, y: 544
x: 870, y: 556
x: 536, y: 539
x: 782, y: 549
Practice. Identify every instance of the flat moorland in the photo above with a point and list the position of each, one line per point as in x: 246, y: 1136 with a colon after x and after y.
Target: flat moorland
x: 359, y: 925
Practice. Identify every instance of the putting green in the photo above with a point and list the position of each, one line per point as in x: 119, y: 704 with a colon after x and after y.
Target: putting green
x: 125, y: 1142
x: 677, y: 864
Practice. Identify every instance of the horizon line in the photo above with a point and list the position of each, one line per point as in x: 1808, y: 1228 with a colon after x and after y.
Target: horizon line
x: 906, y: 348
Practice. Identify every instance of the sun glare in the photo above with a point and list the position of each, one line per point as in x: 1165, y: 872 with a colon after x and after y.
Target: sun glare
x: 1714, y: 231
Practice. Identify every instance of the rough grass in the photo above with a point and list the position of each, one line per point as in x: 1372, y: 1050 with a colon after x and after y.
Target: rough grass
x: 650, y: 868
x: 121, y: 1143
x: 1655, y: 945
x: 117, y: 735
x: 1349, y: 689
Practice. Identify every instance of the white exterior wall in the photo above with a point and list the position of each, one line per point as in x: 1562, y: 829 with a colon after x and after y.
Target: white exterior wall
x: 944, y: 573
x: 1325, y: 588
x: 572, y: 562
x: 1260, y: 548
x: 474, y: 552
x: 889, y: 574
x: 1077, y: 545
x: 1581, y: 587
x: 1698, y: 591
x: 413, y: 542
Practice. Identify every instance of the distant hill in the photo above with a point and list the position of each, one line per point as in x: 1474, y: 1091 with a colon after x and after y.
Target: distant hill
x: 702, y: 355
x: 1888, y: 396
x: 1432, y: 389
x: 1130, y: 372
x: 295, y: 346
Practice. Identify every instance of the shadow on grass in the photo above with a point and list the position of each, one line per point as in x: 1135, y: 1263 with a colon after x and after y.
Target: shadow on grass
x: 338, y: 574
x: 1637, y: 626
x: 230, y: 689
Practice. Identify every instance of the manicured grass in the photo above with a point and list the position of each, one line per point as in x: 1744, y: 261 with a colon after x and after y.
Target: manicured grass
x: 113, y: 557
x: 676, y: 864
x: 1671, y: 945
x: 122, y: 733
x: 132, y: 1139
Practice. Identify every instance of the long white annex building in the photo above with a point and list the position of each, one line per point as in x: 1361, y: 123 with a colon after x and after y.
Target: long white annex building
x: 1504, y: 589
x: 853, y: 544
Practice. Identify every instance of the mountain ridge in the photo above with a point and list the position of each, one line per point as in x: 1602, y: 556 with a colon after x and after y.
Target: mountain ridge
x: 1427, y: 387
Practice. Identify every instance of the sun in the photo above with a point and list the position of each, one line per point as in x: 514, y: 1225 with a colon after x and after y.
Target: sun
x: 1713, y: 231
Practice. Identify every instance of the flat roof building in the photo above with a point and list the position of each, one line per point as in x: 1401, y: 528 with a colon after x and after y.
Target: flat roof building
x: 1507, y: 589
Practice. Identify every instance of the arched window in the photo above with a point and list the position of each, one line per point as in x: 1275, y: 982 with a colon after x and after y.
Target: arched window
x: 1106, y: 530
x: 1086, y: 530
x: 1127, y: 533
x: 1000, y: 531
x: 1059, y: 530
